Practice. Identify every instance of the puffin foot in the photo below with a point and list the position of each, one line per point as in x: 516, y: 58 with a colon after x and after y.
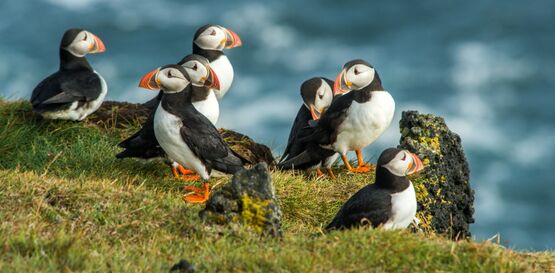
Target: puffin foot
x: 184, y: 171
x: 199, y: 196
x: 330, y: 173
x: 319, y: 173
x: 363, y: 169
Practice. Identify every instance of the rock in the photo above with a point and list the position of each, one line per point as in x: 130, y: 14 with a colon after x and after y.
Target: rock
x: 250, y: 198
x: 247, y: 149
x: 445, y: 197
x: 183, y: 266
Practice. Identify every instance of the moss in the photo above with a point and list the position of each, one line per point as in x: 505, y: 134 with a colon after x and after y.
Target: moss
x: 254, y: 212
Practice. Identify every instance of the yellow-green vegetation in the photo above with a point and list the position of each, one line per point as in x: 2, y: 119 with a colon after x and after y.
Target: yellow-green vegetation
x: 66, y: 204
x: 254, y: 212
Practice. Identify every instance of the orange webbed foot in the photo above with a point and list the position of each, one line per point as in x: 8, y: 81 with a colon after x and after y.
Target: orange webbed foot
x: 201, y: 195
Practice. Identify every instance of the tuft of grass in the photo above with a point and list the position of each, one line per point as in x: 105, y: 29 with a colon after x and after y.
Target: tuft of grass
x: 66, y: 204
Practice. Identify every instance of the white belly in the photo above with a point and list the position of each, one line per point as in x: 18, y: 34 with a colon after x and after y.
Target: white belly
x: 403, y: 208
x: 79, y: 113
x: 209, y: 107
x: 365, y: 122
x: 167, y: 131
x: 224, y: 70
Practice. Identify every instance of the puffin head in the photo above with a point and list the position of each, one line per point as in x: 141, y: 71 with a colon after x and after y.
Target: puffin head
x: 355, y: 75
x: 215, y: 37
x: 170, y: 78
x: 317, y: 95
x: 80, y: 42
x: 400, y: 162
x: 199, y: 70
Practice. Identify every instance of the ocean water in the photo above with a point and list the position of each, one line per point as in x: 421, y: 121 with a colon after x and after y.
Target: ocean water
x: 486, y: 66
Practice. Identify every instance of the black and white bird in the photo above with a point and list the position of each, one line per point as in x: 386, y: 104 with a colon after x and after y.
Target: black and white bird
x: 186, y: 135
x: 389, y: 202
x: 317, y: 96
x: 209, y: 41
x: 355, y: 119
x: 76, y: 90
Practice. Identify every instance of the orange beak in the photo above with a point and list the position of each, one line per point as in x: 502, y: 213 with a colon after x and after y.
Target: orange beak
x: 214, y: 81
x: 313, y: 113
x: 150, y: 80
x: 233, y: 39
x: 98, y: 45
x: 338, y: 87
x: 416, y: 165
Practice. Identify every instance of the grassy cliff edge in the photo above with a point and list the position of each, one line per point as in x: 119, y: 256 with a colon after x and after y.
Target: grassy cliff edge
x: 66, y: 204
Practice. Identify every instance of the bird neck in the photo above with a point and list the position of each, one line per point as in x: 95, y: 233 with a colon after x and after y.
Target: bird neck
x: 385, y: 179
x: 69, y: 61
x: 199, y: 93
x: 209, y: 54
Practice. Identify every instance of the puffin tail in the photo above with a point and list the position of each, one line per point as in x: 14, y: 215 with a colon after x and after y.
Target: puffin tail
x: 295, y: 162
x: 229, y: 164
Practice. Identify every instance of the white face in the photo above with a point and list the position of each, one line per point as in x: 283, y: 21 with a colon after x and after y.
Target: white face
x: 212, y: 38
x: 171, y: 80
x: 400, y: 164
x: 359, y: 76
x: 324, y: 96
x: 82, y: 44
x: 198, y: 72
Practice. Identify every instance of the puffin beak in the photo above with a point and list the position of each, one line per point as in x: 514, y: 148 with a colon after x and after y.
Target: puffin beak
x: 213, y: 82
x: 232, y: 39
x: 416, y: 165
x: 313, y: 113
x: 338, y: 87
x: 150, y: 80
x: 98, y: 46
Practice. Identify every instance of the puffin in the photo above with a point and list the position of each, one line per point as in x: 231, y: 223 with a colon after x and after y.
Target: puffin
x: 76, y: 90
x: 389, y: 202
x: 209, y: 41
x: 186, y: 135
x: 317, y: 96
x: 362, y: 112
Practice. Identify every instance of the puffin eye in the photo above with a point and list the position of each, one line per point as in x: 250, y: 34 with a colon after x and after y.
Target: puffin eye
x: 404, y: 157
x: 170, y: 74
x: 85, y: 38
x: 356, y: 73
x: 321, y: 96
x: 195, y: 67
x: 213, y: 33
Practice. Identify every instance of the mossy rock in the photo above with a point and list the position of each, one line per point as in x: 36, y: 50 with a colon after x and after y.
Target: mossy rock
x: 445, y: 197
x: 250, y: 199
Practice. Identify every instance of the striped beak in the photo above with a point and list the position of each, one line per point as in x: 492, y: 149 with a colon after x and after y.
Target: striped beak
x: 150, y: 80
x: 415, y: 166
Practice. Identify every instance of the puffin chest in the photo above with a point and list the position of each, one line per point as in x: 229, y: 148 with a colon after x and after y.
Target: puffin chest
x: 209, y: 107
x: 365, y: 122
x: 403, y: 208
x: 222, y: 67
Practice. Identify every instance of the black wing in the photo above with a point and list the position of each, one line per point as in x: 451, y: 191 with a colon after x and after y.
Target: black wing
x: 311, y: 155
x: 326, y: 130
x: 293, y: 146
x: 65, y: 87
x: 142, y: 144
x: 370, y: 203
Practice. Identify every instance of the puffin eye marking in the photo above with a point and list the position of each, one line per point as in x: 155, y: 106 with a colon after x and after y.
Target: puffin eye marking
x: 85, y: 38
x: 321, y: 96
x: 195, y: 67
x: 170, y: 74
x: 404, y: 157
x: 358, y: 72
x: 213, y: 33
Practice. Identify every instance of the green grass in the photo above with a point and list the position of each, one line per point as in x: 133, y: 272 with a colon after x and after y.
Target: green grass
x: 66, y: 204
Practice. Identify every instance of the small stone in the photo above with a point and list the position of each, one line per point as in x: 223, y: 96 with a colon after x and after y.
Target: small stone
x: 250, y: 198
x: 445, y: 197
x: 183, y: 266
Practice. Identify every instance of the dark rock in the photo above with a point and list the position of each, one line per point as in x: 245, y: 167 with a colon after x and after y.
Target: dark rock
x: 183, y: 266
x: 445, y: 197
x: 250, y: 198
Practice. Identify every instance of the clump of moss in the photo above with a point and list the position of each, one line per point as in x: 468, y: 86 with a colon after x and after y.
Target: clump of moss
x: 254, y: 212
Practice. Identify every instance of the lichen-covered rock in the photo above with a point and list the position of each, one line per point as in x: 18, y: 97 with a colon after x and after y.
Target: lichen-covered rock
x: 250, y: 198
x: 445, y: 198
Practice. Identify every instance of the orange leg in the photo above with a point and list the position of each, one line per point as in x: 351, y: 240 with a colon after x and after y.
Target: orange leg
x: 330, y: 173
x: 184, y: 174
x: 346, y: 162
x: 319, y: 173
x: 184, y: 171
x: 201, y: 195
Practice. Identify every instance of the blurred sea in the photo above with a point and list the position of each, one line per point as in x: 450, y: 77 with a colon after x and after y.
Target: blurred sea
x: 486, y: 66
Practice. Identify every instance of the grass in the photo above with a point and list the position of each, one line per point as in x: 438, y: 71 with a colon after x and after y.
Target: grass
x: 66, y: 204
